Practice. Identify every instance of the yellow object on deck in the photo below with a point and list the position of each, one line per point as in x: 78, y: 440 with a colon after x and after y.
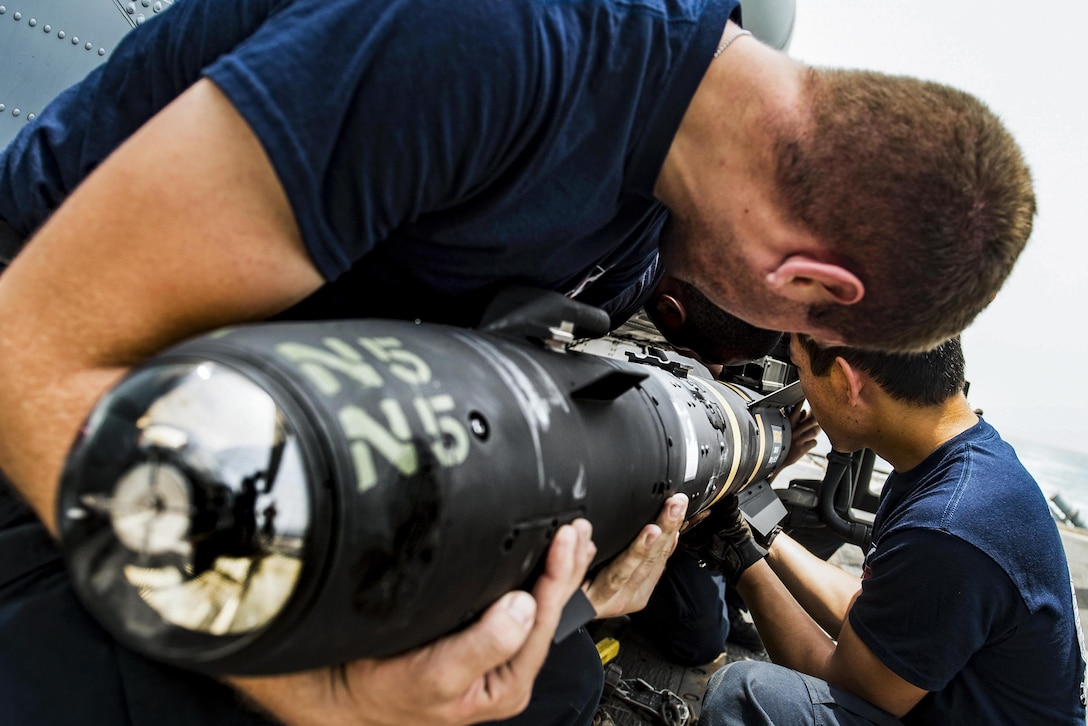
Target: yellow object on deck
x: 608, y: 649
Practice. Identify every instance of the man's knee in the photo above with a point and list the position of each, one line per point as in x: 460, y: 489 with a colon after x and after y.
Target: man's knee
x: 753, y: 692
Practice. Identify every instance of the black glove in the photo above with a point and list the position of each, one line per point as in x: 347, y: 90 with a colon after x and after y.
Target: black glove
x: 765, y: 540
x: 722, y: 542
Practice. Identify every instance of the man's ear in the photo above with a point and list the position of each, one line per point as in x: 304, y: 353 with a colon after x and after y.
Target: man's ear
x: 671, y: 312
x: 847, y: 381
x: 805, y: 280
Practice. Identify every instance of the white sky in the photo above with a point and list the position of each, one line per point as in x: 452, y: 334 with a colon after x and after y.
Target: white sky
x: 1026, y: 353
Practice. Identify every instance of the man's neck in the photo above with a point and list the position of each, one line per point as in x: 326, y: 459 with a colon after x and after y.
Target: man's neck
x: 909, y: 434
x: 725, y: 139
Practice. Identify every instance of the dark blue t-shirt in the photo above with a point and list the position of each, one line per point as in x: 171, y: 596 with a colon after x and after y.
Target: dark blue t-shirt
x: 435, y: 150
x: 966, y: 590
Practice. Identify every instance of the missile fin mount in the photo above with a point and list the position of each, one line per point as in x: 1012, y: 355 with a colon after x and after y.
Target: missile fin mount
x: 656, y: 357
x: 543, y: 316
x: 789, y: 395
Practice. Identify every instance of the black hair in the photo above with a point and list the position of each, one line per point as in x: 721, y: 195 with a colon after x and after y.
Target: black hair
x: 922, y: 379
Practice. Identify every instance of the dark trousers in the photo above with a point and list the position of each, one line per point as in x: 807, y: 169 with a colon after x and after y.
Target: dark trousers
x: 686, y: 618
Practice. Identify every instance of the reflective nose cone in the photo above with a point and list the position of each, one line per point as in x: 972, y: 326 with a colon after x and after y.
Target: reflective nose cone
x: 189, y: 512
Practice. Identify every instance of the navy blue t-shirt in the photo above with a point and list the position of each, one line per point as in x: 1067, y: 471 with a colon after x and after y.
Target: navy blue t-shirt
x: 433, y: 150
x: 966, y: 590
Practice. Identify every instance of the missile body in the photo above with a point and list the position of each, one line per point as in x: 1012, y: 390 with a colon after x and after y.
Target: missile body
x: 283, y: 496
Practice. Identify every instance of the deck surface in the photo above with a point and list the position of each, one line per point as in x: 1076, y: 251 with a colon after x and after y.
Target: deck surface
x: 637, y: 659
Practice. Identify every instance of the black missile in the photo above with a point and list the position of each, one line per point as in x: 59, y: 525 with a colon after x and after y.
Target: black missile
x: 281, y: 496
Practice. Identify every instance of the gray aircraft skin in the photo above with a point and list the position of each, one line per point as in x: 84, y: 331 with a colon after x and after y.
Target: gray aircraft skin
x: 50, y: 44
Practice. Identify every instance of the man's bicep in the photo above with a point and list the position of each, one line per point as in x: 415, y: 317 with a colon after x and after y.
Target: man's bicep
x: 856, y: 669
x: 183, y: 229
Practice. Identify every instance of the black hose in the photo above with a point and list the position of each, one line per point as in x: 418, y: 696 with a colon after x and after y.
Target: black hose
x: 838, y: 466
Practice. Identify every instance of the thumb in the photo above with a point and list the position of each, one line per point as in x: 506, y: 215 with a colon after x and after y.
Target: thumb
x: 492, y: 640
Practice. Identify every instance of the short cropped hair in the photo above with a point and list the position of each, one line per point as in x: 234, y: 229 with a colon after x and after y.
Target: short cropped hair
x: 922, y: 379
x: 915, y: 187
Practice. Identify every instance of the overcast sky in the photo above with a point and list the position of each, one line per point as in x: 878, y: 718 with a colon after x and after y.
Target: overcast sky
x: 1026, y: 353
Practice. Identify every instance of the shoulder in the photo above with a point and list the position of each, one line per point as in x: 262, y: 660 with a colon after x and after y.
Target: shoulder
x: 980, y: 507
x: 974, y: 480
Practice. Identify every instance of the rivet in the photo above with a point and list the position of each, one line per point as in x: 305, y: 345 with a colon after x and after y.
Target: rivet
x: 130, y: 8
x: 61, y: 34
x: 15, y: 112
x: 3, y: 10
x: 32, y: 22
x: 1, y: 107
x: 30, y: 117
x: 158, y: 7
x: 18, y: 15
x: 145, y: 3
x: 101, y: 51
x: 75, y: 40
x: 47, y: 28
x: 88, y: 46
x: 140, y: 19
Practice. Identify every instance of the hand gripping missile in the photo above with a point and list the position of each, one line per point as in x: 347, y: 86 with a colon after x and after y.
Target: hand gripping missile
x: 283, y: 496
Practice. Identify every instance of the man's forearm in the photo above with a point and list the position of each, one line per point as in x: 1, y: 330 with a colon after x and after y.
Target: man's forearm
x: 822, y: 589
x: 36, y: 429
x: 791, y: 636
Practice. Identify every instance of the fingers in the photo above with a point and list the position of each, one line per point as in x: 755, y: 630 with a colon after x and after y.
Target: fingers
x: 517, y: 630
x: 569, y: 558
x: 799, y: 414
x: 802, y: 421
x: 482, y: 673
x: 803, y: 433
x: 487, y: 671
x: 694, y: 520
x: 654, y: 542
x: 571, y: 553
x: 490, y: 642
x: 504, y: 630
x: 453, y: 680
x: 469, y: 674
x: 625, y: 584
x: 610, y: 581
x: 670, y: 521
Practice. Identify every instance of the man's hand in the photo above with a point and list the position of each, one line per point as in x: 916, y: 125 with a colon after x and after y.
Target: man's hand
x: 482, y: 673
x: 625, y: 584
x: 803, y: 432
x: 723, y: 541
